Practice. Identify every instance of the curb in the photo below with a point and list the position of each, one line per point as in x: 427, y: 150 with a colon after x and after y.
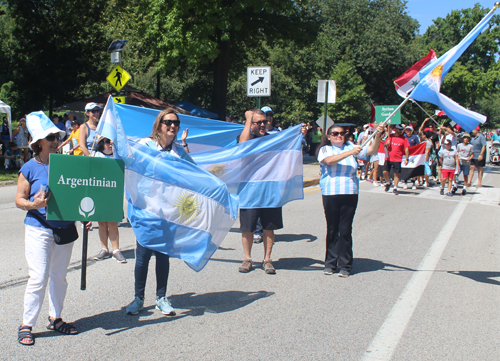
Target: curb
x: 7, y: 183
x: 311, y: 182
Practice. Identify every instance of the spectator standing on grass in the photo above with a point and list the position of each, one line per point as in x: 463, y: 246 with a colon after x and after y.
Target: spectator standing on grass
x: 22, y: 138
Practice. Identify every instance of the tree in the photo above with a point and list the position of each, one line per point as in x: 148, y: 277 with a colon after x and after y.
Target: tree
x: 205, y: 32
x: 60, y: 50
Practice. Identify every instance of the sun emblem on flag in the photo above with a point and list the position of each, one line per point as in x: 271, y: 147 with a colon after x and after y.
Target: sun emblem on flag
x: 187, y: 207
x: 219, y: 170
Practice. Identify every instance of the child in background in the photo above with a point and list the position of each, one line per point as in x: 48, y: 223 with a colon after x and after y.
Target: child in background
x: 450, y: 165
x: 104, y: 149
x: 465, y: 154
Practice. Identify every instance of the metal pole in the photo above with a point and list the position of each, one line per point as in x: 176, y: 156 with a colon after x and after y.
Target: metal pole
x: 326, y: 107
x: 83, y: 282
x: 258, y: 102
x: 430, y: 116
x: 385, y: 121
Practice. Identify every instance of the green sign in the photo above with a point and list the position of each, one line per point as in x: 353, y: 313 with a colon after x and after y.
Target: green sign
x: 85, y: 189
x: 383, y: 111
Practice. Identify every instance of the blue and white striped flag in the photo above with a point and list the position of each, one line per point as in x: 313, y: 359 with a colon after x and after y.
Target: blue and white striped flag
x: 174, y: 206
x: 264, y: 172
x: 177, y: 208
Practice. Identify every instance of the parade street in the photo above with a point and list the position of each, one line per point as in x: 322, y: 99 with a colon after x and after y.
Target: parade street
x: 425, y: 286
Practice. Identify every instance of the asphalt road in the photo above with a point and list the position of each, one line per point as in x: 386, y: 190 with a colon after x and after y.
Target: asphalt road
x: 426, y: 286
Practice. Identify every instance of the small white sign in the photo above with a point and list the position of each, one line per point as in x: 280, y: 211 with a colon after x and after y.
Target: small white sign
x: 259, y: 81
x: 321, y: 121
x: 332, y: 91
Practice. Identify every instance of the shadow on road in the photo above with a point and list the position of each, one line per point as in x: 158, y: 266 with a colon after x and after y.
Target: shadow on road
x: 193, y: 304
x: 300, y: 264
x: 294, y: 237
x: 364, y: 265
x: 479, y: 276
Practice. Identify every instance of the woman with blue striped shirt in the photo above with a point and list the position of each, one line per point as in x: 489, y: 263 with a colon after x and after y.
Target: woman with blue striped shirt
x: 340, y: 187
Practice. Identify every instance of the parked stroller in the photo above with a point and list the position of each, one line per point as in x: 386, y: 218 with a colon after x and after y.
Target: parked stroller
x: 495, y: 152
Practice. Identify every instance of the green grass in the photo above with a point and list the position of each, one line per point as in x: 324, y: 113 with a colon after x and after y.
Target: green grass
x: 8, y: 175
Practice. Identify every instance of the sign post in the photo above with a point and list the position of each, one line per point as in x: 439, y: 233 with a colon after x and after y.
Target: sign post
x: 85, y: 189
x: 327, y: 93
x: 258, y: 82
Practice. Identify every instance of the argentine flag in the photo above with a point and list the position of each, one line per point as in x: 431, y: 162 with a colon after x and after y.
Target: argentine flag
x: 265, y: 172
x: 174, y: 206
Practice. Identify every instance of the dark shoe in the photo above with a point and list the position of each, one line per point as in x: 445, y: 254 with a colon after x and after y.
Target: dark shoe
x: 453, y: 190
x: 24, y: 333
x: 464, y: 192
x: 267, y: 266
x: 441, y: 191
x: 246, y: 266
x: 59, y: 325
x: 449, y: 194
x: 395, y: 191
x: 328, y: 271
x: 387, y: 187
x: 344, y: 273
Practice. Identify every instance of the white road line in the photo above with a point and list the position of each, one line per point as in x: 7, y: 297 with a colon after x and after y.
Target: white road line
x: 387, y: 338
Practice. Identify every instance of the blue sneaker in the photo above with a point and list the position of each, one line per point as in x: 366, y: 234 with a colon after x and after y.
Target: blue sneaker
x: 165, y: 307
x: 134, y: 308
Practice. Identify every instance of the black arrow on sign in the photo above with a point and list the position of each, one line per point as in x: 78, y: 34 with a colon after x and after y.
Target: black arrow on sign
x: 260, y: 80
x: 118, y: 100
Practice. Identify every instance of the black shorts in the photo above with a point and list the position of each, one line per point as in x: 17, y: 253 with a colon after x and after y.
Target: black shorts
x: 270, y: 218
x: 394, y: 165
x: 478, y: 163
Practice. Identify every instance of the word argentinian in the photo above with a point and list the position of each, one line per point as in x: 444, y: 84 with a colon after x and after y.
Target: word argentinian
x: 91, y: 182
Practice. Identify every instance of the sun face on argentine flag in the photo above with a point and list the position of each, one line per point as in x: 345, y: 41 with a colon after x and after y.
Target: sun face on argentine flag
x: 187, y: 207
x: 434, y: 77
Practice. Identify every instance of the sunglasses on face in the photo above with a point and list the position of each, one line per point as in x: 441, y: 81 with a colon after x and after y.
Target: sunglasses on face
x: 107, y: 141
x: 168, y: 123
x: 336, y: 134
x: 262, y: 122
x: 96, y: 110
x: 52, y: 137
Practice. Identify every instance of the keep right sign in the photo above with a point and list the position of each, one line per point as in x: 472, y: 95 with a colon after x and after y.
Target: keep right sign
x: 259, y: 81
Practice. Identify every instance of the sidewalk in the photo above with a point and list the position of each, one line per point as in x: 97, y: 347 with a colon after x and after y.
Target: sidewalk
x: 311, y: 171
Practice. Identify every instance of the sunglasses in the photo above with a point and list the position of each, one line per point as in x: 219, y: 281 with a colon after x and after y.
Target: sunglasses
x: 107, y: 141
x: 336, y: 134
x: 96, y: 110
x: 262, y: 122
x: 168, y: 123
x: 52, y: 137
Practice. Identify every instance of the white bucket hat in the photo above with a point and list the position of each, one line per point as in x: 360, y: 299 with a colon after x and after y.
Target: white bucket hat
x: 39, y: 125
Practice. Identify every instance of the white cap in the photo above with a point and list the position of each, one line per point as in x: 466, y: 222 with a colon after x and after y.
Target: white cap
x: 91, y: 106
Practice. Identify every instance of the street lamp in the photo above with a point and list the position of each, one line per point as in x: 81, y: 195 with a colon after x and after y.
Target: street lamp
x: 115, y: 49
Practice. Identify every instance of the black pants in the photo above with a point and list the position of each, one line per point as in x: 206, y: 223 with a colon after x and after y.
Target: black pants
x: 339, y: 213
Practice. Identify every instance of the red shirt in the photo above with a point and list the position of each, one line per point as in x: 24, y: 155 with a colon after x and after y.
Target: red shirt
x: 396, y: 148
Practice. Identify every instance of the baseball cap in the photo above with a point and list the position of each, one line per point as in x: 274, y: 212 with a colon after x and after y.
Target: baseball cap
x: 267, y: 109
x: 466, y: 135
x: 399, y: 126
x: 409, y: 127
x: 91, y: 106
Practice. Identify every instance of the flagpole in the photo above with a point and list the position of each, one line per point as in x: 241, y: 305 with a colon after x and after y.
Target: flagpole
x: 430, y: 116
x: 385, y: 121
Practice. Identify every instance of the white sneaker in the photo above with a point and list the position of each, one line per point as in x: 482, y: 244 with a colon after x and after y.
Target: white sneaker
x: 414, y: 186
x: 375, y: 184
x: 426, y: 185
x: 405, y: 186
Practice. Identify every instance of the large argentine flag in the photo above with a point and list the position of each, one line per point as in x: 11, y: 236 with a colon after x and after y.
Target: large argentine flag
x: 174, y: 206
x: 264, y: 172
x: 204, y: 134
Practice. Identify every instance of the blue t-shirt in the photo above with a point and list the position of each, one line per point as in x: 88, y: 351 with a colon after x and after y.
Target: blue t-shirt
x: 36, y: 174
x: 61, y: 126
x: 412, y: 139
x: 495, y: 136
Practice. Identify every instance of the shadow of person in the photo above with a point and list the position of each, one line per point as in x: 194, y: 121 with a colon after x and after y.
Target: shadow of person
x: 216, y: 302
x: 302, y: 264
x: 364, y: 265
x: 479, y: 276
x: 294, y: 237
x: 117, y: 321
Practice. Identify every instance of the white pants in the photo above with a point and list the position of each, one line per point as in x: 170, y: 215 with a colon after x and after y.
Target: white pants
x: 45, y: 259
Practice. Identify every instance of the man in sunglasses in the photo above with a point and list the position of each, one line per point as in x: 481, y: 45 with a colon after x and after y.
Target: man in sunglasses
x: 88, y: 130
x: 271, y: 219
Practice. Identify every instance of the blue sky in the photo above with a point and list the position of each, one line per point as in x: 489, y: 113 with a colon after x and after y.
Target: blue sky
x: 427, y: 10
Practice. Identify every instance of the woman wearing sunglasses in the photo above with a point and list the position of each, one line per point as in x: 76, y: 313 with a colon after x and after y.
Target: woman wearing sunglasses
x: 47, y: 261
x: 162, y: 138
x: 340, y: 187
x: 86, y: 137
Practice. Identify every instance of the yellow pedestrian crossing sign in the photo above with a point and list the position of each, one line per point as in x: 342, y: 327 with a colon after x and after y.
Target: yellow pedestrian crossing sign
x: 118, y: 77
x: 120, y: 100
